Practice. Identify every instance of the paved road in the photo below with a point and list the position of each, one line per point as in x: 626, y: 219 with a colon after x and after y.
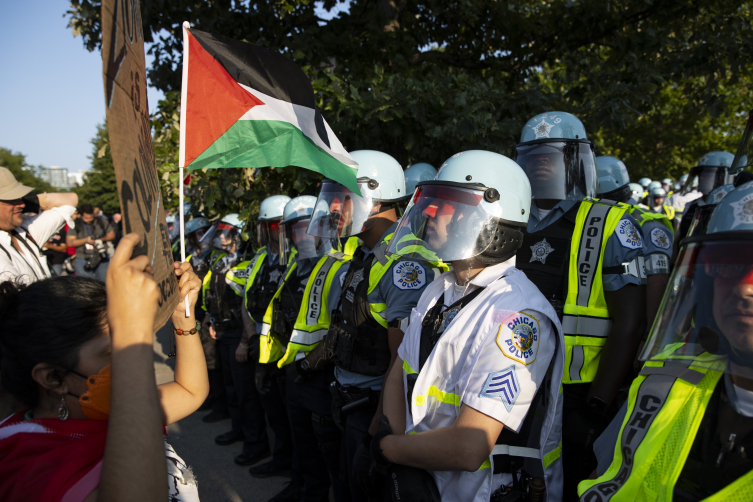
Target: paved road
x: 219, y: 478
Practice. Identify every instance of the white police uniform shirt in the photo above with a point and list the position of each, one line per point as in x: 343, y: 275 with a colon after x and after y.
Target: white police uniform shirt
x: 486, y: 361
x: 26, y: 267
x: 620, y: 248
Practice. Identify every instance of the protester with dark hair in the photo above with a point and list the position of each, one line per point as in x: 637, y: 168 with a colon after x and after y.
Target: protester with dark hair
x: 21, y: 237
x: 89, y: 237
x: 55, y: 251
x: 79, y: 356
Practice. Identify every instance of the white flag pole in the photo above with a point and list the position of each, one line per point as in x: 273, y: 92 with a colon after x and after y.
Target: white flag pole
x: 182, y: 151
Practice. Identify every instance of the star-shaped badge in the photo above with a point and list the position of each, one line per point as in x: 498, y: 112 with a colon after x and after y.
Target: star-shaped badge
x: 542, y: 129
x: 540, y: 251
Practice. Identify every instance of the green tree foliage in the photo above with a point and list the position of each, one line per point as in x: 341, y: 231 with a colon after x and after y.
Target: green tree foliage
x: 24, y: 173
x: 658, y: 82
x: 100, y: 188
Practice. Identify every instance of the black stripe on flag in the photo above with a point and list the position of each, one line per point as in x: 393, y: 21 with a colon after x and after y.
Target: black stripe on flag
x: 264, y: 70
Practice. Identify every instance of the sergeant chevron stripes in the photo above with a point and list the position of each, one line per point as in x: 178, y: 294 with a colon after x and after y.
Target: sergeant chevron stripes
x: 504, y: 385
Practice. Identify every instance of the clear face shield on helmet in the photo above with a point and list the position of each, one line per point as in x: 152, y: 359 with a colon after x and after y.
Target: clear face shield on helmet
x: 705, y: 179
x: 222, y: 236
x: 446, y: 223
x: 341, y: 213
x: 707, y: 312
x: 559, y: 170
x: 308, y: 246
x: 744, y: 155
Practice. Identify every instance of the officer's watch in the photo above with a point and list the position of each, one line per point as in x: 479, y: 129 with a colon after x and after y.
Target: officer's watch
x: 305, y: 365
x: 596, y: 404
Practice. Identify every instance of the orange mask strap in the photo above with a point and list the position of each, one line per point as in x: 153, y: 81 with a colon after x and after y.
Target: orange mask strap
x: 95, y: 402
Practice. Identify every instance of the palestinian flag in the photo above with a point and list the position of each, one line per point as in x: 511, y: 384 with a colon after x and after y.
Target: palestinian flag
x: 247, y: 106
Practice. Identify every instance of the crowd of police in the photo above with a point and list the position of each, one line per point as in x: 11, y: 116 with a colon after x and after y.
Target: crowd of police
x: 533, y: 328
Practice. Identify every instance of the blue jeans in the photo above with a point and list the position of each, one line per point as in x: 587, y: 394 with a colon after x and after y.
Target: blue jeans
x: 98, y: 273
x: 57, y: 270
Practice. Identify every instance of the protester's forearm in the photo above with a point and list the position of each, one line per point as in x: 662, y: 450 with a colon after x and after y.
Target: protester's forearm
x: 60, y: 248
x: 110, y: 236
x: 183, y: 396
x: 134, y: 465
x: 50, y: 200
x: 74, y: 243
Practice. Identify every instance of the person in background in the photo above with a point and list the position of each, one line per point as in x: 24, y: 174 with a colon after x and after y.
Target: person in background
x: 685, y: 431
x: 88, y: 237
x: 80, y: 356
x: 56, y: 252
x: 21, y: 238
x: 600, y: 293
x: 117, y: 225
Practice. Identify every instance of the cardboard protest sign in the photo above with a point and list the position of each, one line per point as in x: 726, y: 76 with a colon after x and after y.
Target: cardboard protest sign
x: 124, y: 73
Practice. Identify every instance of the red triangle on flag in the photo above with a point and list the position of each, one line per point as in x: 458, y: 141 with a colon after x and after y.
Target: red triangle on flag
x: 215, y: 101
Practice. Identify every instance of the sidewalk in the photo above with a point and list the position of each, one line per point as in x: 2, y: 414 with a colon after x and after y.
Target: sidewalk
x: 219, y: 478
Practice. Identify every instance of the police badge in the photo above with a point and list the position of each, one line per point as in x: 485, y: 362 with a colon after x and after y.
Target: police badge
x: 540, y: 251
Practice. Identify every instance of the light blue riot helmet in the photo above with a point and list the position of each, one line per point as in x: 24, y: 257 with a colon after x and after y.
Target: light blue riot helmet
x: 644, y: 182
x: 711, y: 172
x: 342, y: 213
x: 656, y: 197
x: 636, y: 193
x: 417, y: 173
x: 474, y: 208
x: 197, y: 224
x: 705, y: 310
x: 654, y: 184
x: 557, y: 157
x: 268, y: 223
x: 704, y: 210
x: 614, y: 180
x: 225, y: 235
x: 744, y: 149
x: 295, y: 221
x: 272, y: 207
x: 667, y: 182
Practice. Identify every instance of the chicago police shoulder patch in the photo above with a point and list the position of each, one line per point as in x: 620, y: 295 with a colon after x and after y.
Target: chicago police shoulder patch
x: 628, y: 235
x: 502, y: 385
x: 408, y: 275
x: 518, y: 337
x: 660, y: 238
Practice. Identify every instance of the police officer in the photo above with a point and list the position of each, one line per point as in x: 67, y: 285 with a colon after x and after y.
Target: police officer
x: 711, y: 172
x: 657, y: 230
x: 636, y: 193
x: 586, y: 257
x: 415, y: 174
x: 378, y: 293
x: 644, y: 182
x: 300, y: 318
x: 686, y: 431
x: 474, y: 395
x: 223, y: 297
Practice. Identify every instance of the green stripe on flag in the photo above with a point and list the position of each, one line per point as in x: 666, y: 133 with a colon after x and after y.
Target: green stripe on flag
x: 272, y: 143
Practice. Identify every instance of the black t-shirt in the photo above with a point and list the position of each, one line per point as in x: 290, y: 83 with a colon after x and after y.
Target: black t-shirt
x: 97, y: 229
x: 55, y: 257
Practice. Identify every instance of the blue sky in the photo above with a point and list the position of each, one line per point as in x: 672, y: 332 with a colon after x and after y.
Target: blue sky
x: 51, y: 94
x: 51, y: 91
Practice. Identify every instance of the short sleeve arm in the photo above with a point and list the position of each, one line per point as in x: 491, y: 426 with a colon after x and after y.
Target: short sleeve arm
x: 401, y: 288
x: 623, y: 246
x: 508, y: 366
x: 657, y: 247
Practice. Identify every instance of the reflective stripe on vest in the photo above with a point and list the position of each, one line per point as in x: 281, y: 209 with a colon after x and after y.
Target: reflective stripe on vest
x: 314, y: 317
x: 642, y: 216
x: 237, y: 276
x: 208, y: 279
x: 666, y: 405
x: 586, y: 322
x: 255, y: 266
x: 271, y: 348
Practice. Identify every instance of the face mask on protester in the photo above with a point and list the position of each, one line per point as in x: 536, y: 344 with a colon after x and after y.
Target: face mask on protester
x: 96, y: 400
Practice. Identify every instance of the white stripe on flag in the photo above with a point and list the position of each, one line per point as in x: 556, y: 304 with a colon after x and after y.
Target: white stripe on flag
x: 300, y: 116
